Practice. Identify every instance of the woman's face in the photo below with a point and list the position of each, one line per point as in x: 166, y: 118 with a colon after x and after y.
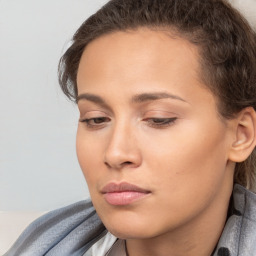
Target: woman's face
x: 150, y: 142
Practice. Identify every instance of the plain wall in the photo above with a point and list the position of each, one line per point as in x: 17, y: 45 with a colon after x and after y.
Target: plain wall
x: 38, y: 165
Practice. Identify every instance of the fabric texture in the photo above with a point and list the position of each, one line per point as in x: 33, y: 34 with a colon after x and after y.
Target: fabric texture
x: 118, y: 249
x: 239, y: 235
x: 76, y: 230
x: 69, y: 231
x: 102, y: 246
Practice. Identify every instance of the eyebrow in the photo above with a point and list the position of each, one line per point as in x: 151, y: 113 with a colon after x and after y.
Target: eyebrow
x: 90, y: 97
x: 143, y: 97
x: 138, y: 98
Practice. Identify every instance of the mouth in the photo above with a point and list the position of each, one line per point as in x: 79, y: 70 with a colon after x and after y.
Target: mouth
x: 123, y: 193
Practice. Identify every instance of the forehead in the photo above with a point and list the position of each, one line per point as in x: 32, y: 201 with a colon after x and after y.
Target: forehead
x: 140, y: 46
x: 139, y: 59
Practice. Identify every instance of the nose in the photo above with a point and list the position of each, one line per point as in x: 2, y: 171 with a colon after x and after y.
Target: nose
x: 122, y: 149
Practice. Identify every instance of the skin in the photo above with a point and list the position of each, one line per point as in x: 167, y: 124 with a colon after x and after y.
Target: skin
x: 185, y: 164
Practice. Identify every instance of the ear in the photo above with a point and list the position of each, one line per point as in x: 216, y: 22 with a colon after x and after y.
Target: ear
x: 244, y: 139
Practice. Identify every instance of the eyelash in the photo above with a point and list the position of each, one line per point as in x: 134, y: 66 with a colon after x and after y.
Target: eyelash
x: 98, y: 122
x: 160, y: 122
x: 95, y: 120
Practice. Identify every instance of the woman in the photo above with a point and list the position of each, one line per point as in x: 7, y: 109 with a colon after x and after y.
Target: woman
x: 166, y: 137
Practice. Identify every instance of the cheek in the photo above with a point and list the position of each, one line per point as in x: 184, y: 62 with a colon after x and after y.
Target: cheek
x: 88, y: 154
x: 186, y: 173
x: 187, y: 157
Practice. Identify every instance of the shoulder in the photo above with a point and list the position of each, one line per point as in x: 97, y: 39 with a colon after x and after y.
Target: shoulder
x: 70, y: 230
x: 239, y: 234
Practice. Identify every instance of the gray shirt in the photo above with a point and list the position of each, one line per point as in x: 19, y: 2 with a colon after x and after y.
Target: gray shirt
x: 73, y: 230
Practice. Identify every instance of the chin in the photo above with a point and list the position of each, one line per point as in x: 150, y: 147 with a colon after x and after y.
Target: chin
x: 128, y: 232
x: 129, y: 225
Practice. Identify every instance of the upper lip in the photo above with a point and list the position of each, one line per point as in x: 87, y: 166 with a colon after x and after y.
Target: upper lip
x: 122, y: 187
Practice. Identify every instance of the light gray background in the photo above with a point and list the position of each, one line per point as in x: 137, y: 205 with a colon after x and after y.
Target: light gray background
x: 38, y: 164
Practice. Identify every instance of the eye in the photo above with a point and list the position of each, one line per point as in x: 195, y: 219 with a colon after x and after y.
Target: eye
x: 96, y: 122
x: 160, y: 122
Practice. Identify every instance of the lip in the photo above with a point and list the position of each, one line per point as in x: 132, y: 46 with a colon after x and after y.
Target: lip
x: 123, y: 193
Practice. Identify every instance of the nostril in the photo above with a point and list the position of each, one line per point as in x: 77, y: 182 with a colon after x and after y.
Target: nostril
x: 107, y: 164
x: 114, y: 158
x: 127, y: 163
x: 118, y: 166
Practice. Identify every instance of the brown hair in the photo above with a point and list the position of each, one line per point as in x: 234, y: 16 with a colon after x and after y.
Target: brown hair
x: 226, y: 43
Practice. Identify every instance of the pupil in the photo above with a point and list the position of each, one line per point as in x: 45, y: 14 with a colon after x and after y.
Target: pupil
x: 99, y: 120
x: 158, y: 120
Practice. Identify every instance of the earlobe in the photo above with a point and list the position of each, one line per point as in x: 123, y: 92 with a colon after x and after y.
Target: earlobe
x: 245, y: 135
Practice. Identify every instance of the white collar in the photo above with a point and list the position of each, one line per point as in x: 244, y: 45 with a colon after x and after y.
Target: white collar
x: 117, y: 249
x: 108, y: 245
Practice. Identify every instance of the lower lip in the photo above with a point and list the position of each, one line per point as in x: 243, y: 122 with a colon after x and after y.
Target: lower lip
x: 124, y: 198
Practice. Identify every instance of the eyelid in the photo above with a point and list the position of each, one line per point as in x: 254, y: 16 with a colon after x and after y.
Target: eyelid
x: 95, y: 123
x: 87, y: 120
x: 94, y: 119
x: 159, y: 119
x: 92, y: 114
x: 159, y: 114
x: 160, y: 123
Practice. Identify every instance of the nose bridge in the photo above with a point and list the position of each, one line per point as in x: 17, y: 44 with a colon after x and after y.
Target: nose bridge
x: 122, y: 148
